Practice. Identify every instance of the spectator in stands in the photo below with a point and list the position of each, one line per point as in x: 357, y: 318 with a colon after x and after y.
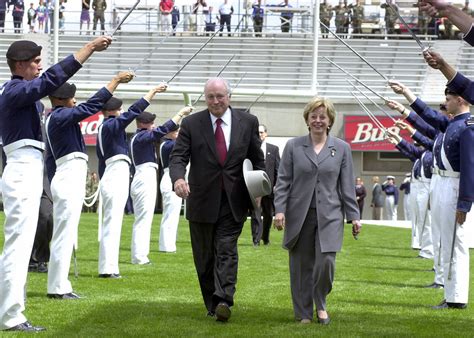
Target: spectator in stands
x: 31, y: 14
x: 357, y: 15
x: 342, y: 17
x: 422, y: 21
x: 466, y: 9
x: 198, y: 10
x: 85, y: 16
x: 62, y: 9
x: 17, y: 14
x: 325, y: 16
x: 225, y: 11
x: 41, y: 15
x: 459, y: 18
x: 257, y: 18
x: 99, y: 7
x: 286, y: 17
x: 174, y: 18
x: 390, y: 16
x: 4, y: 4
x: 210, y: 21
x: 165, y: 9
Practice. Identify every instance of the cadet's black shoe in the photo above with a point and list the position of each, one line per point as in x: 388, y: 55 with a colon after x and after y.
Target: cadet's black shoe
x: 222, y: 312
x: 457, y: 305
x: 42, y: 267
x: 26, y: 327
x: 70, y: 295
x: 434, y: 286
x: 110, y: 275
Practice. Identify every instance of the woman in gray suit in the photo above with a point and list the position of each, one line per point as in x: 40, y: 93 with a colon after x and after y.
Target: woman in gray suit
x: 313, y: 193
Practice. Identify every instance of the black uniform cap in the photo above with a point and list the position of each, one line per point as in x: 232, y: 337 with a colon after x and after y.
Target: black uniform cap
x: 146, y: 117
x: 112, y: 104
x: 66, y: 91
x: 23, y: 50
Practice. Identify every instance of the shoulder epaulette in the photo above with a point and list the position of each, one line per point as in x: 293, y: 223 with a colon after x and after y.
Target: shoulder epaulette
x: 470, y: 121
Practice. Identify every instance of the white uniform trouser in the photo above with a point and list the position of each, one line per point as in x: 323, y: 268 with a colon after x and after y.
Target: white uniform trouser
x: 390, y: 208
x: 470, y: 228
x: 22, y: 186
x: 143, y: 192
x: 407, y: 206
x: 414, y: 211
x: 436, y: 200
x: 423, y: 219
x: 166, y: 22
x: 170, y: 218
x: 114, y: 188
x: 454, y: 248
x: 68, y: 191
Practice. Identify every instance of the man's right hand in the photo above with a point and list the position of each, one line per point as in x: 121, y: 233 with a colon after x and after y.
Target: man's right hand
x: 124, y: 77
x: 181, y: 188
x: 433, y: 59
x: 101, y: 43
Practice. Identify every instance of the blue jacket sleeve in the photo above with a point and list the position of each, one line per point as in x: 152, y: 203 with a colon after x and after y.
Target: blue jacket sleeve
x: 463, y: 86
x: 466, y: 181
x: 419, y: 124
x: 405, y: 152
x: 437, y: 120
x: 423, y: 140
x: 469, y: 37
x: 121, y: 122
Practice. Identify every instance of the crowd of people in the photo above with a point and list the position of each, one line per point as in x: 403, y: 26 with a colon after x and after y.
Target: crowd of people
x: 312, y: 183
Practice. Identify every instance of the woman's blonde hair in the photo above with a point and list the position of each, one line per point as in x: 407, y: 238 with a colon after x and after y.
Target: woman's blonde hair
x: 317, y: 102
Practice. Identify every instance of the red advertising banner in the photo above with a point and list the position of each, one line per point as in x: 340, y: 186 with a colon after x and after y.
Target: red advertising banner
x: 364, y: 135
x: 90, y: 128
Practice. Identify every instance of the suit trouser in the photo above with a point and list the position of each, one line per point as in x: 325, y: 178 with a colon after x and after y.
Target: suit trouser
x: 390, y: 208
x: 170, y: 218
x: 68, y: 189
x: 114, y: 193
x: 216, y: 257
x: 311, y: 271
x: 225, y: 20
x: 454, y: 248
x: 44, y: 231
x: 376, y: 213
x: 436, y: 203
x: 261, y: 225
x: 423, y: 219
x: 143, y: 192
x: 22, y: 185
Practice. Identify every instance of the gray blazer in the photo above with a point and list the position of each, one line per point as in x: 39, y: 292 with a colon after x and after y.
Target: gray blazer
x: 329, y: 176
x: 377, y: 196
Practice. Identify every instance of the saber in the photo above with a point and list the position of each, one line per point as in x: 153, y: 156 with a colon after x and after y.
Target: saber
x: 220, y: 72
x: 256, y: 100
x: 124, y: 18
x: 192, y: 57
x: 418, y: 41
x: 358, y: 81
x: 373, y: 102
x: 156, y: 47
x: 353, y: 50
x: 238, y: 82
x: 370, y: 114
x: 452, y: 251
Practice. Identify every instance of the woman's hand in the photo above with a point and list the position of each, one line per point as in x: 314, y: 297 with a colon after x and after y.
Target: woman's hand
x: 279, y: 221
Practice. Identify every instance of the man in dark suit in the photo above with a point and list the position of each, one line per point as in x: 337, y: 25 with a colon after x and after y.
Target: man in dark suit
x: 377, y: 199
x: 261, y: 230
x: 216, y: 141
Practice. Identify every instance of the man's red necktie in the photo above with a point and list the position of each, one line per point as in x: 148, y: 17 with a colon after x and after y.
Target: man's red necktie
x: 220, y: 142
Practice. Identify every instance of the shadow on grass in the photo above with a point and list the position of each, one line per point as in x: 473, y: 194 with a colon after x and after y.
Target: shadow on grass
x: 380, y: 283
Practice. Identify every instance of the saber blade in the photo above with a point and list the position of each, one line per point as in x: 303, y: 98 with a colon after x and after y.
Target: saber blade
x: 418, y: 41
x: 125, y: 18
x: 358, y: 81
x: 256, y: 100
x: 354, y: 51
x: 370, y: 114
x: 192, y: 57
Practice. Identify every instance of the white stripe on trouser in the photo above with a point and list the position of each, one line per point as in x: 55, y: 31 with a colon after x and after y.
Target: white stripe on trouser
x: 407, y: 206
x: 68, y: 191
x: 424, y: 238
x: 170, y: 218
x: 456, y: 289
x: 143, y: 192
x: 390, y: 208
x: 414, y: 211
x: 22, y: 186
x: 114, y: 192
x: 436, y: 199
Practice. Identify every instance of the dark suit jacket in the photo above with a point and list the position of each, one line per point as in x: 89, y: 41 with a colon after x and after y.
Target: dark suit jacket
x: 196, y: 144
x: 272, y: 162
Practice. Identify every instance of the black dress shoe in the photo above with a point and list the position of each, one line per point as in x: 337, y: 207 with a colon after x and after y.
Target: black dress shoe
x: 222, y: 312
x: 70, y: 295
x: 26, y: 327
x: 110, y: 275
x: 440, y: 306
x: 33, y: 267
x: 434, y: 286
x: 324, y: 321
x: 457, y: 305
x: 211, y: 314
x: 42, y: 267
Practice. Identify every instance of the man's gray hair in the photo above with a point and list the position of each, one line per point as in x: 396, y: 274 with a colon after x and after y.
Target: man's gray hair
x: 219, y: 79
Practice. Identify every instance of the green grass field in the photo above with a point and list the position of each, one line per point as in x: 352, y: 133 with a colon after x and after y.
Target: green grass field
x: 378, y: 291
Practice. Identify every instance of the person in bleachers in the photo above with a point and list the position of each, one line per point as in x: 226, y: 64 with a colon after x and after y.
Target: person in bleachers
x: 390, y: 16
x: 17, y: 13
x: 85, y: 16
x: 210, y: 21
x: 174, y: 18
x: 357, y: 15
x: 423, y: 20
x: 257, y: 18
x: 342, y: 17
x: 99, y: 7
x: 325, y: 16
x: 4, y: 4
x: 225, y: 11
x: 166, y: 7
x: 286, y: 17
x: 466, y: 9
